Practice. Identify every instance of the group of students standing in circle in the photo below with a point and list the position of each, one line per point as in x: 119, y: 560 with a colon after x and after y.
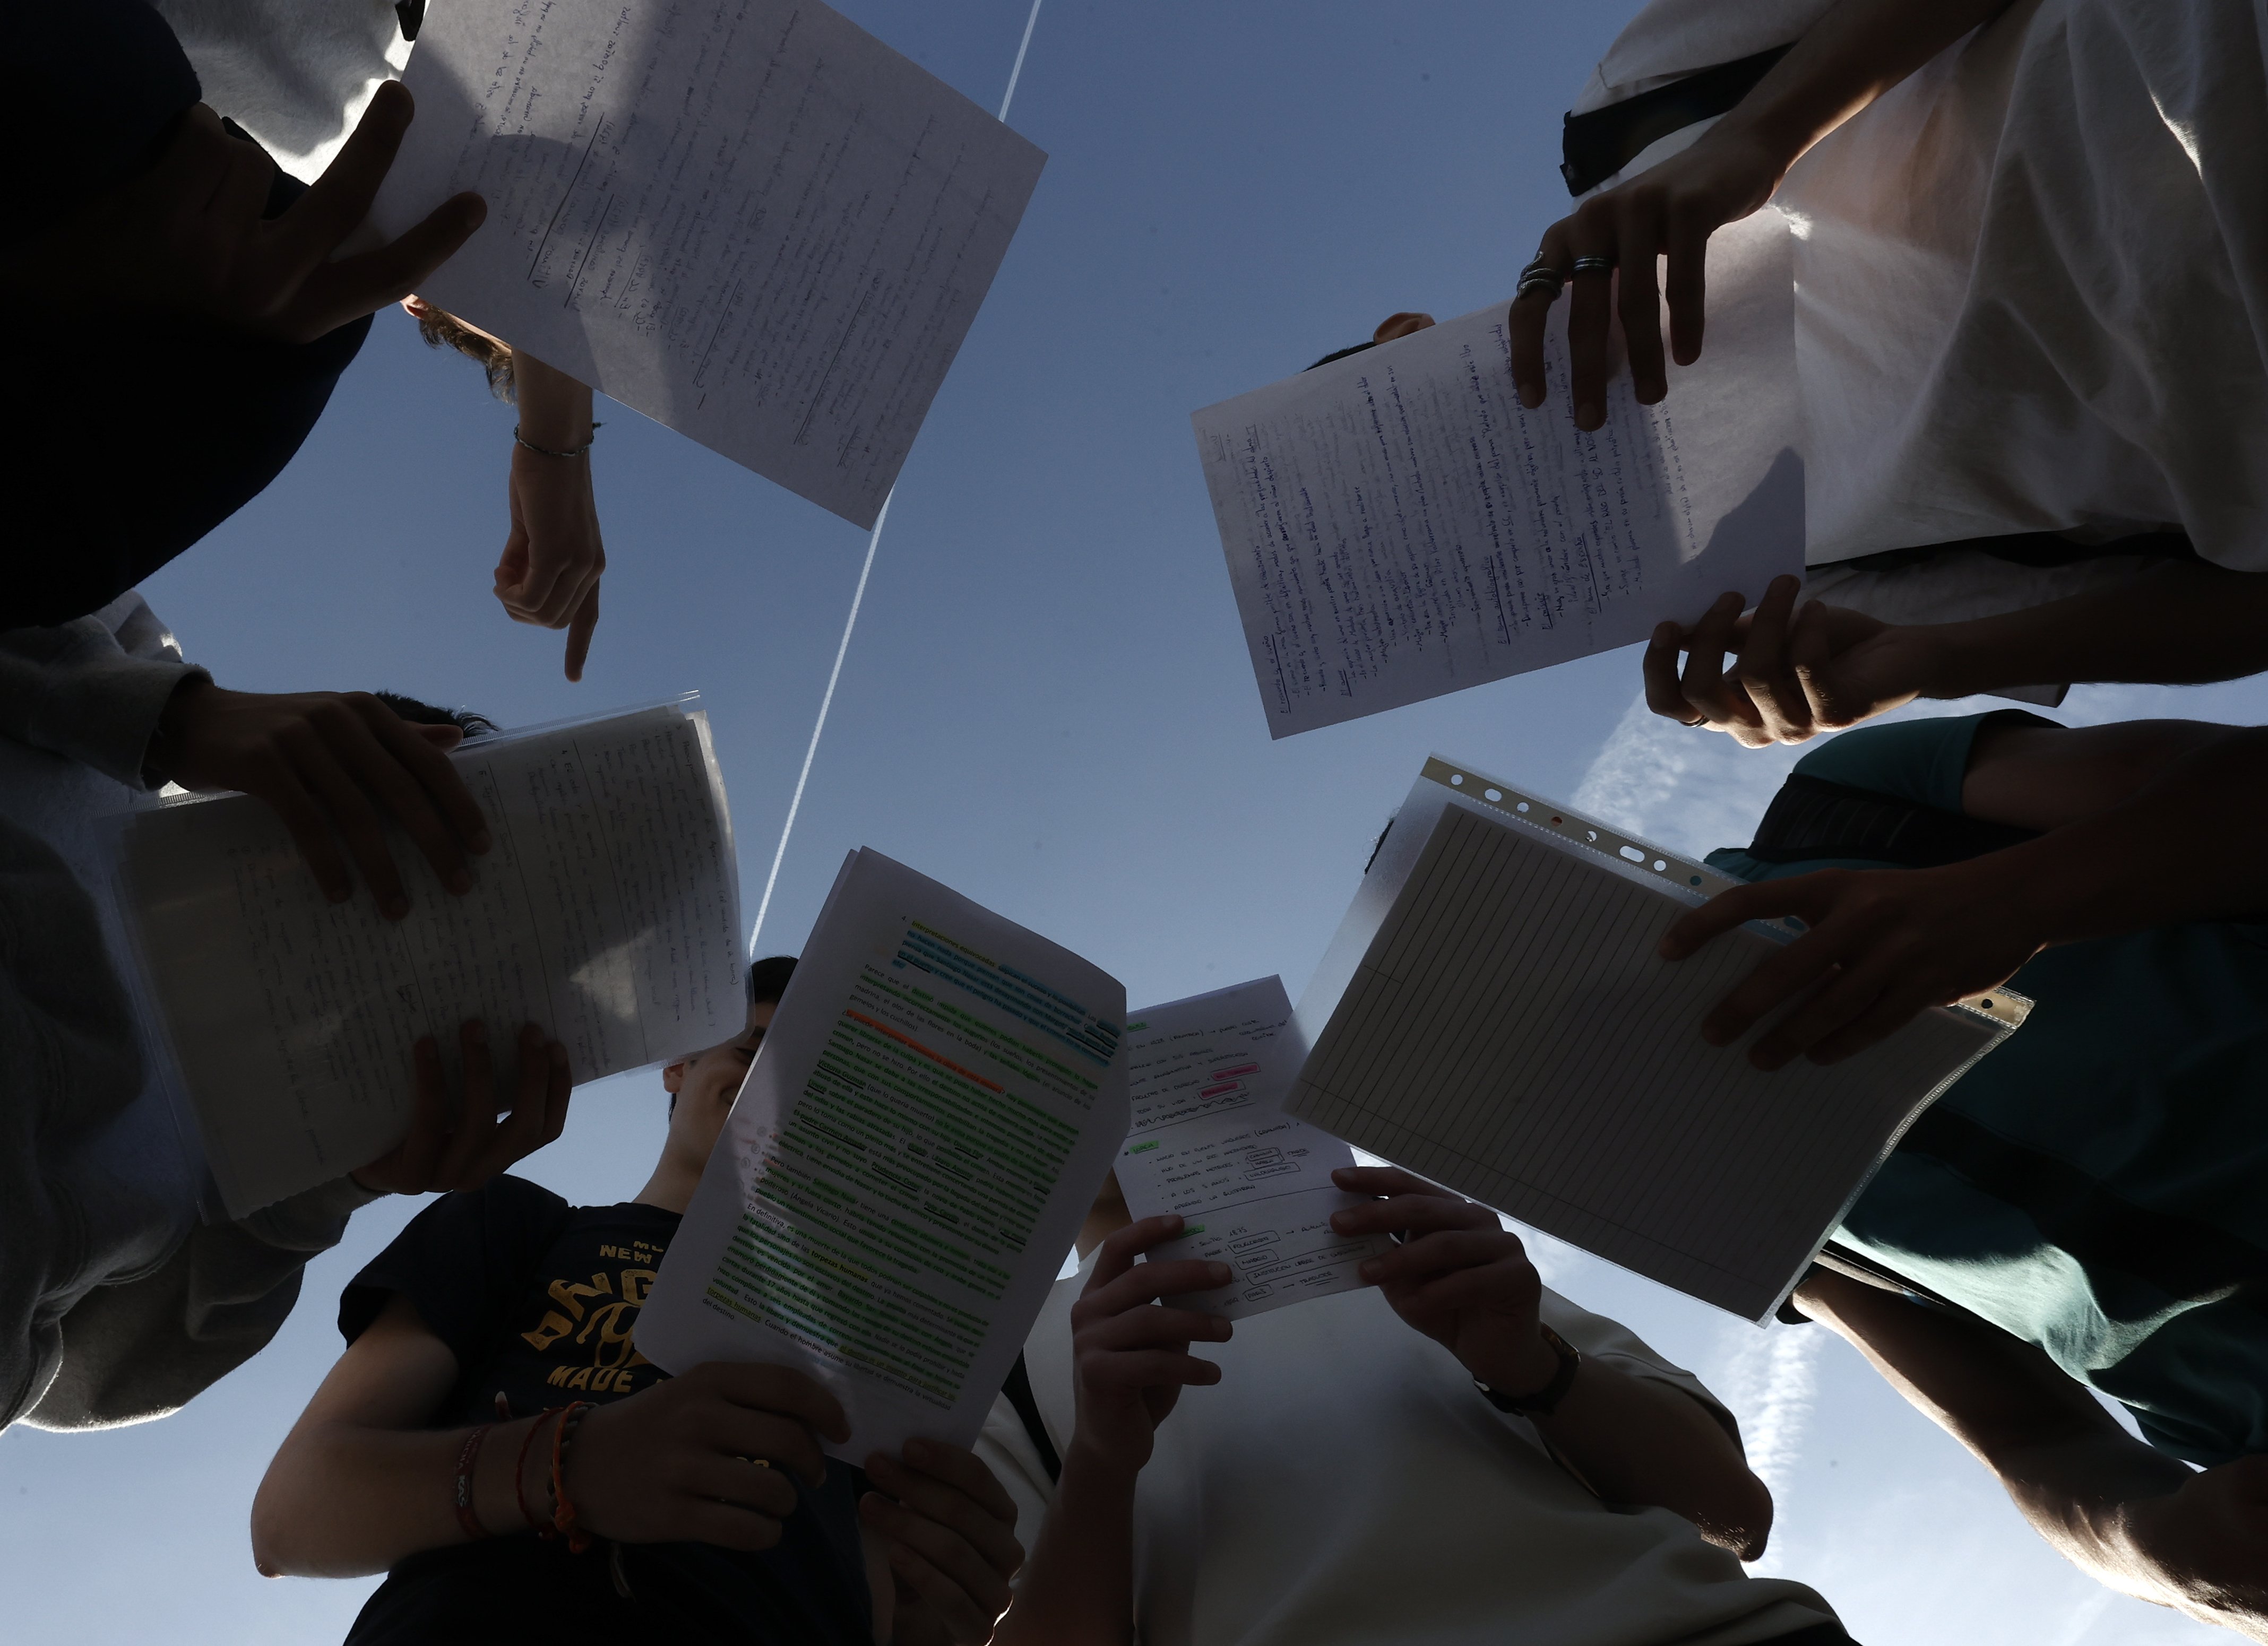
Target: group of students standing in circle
x: 2031, y: 297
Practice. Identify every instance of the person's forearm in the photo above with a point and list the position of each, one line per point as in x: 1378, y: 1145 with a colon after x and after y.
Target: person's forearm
x: 2063, y: 1459
x: 1853, y: 54
x: 1637, y: 1442
x: 344, y: 1502
x: 1077, y: 1587
x: 2186, y: 624
x: 554, y: 409
x: 2188, y: 846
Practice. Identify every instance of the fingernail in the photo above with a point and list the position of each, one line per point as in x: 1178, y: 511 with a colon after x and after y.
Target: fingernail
x: 482, y: 840
x: 339, y: 893
x: 478, y: 1029
x: 1172, y: 1220
x: 396, y: 907
x: 1587, y: 414
x: 460, y: 883
x: 1219, y: 1272
x: 1368, y: 1268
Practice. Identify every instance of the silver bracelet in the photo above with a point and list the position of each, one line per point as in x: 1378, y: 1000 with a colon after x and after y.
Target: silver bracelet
x: 583, y: 449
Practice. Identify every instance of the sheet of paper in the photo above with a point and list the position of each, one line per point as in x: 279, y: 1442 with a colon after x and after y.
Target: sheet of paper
x: 1493, y: 1014
x: 748, y: 219
x: 936, y: 1104
x: 607, y: 912
x: 1209, y: 1140
x: 1398, y: 525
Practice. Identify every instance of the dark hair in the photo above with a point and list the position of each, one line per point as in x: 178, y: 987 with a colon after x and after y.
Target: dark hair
x: 424, y: 713
x: 446, y: 331
x: 768, y: 979
x: 1340, y: 354
x: 767, y: 982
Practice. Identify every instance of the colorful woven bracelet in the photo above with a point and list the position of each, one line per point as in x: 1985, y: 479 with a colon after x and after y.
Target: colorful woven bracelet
x: 536, y: 1523
x: 468, y: 1458
x: 562, y: 1515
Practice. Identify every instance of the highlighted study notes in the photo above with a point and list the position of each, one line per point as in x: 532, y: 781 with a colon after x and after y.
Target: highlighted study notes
x: 752, y: 221
x: 1208, y: 1141
x: 1398, y: 525
x: 937, y: 1101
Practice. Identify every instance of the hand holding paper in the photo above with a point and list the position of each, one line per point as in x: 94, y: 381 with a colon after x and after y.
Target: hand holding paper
x: 1398, y: 525
x: 1210, y: 1144
x: 1458, y: 1275
x: 1494, y: 1013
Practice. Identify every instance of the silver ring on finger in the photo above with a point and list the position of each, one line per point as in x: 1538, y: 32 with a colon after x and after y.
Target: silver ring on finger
x: 1593, y: 264
x: 1546, y: 281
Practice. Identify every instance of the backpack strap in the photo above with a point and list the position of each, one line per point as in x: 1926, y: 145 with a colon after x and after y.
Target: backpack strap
x: 1018, y: 1388
x: 1595, y: 146
x: 1811, y: 817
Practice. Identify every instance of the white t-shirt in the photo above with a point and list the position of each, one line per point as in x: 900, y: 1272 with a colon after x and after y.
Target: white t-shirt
x: 1345, y: 1483
x: 2031, y: 281
x: 296, y: 74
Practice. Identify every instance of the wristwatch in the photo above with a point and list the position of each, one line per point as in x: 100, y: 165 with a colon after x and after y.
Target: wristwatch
x: 1546, y: 1400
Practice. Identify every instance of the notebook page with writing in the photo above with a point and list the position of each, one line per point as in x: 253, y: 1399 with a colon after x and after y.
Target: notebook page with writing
x: 1508, y: 1030
x: 748, y: 219
x: 608, y: 913
x: 1398, y: 525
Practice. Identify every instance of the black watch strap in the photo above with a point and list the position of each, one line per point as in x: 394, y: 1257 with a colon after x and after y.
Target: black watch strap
x: 1546, y: 1400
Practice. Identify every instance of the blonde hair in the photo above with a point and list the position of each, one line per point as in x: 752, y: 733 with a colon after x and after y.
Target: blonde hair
x: 446, y: 331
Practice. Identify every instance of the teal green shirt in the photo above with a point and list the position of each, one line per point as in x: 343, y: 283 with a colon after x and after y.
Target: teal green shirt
x: 2098, y: 1184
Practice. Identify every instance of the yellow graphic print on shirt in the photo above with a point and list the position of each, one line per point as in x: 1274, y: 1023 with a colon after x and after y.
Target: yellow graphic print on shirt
x: 598, y: 1315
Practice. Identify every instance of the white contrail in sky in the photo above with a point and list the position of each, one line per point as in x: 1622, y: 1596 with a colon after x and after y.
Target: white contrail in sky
x: 851, y: 623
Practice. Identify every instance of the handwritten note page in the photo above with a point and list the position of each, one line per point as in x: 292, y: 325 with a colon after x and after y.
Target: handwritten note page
x: 1210, y: 1140
x: 748, y: 219
x: 1398, y: 525
x: 935, y: 1106
x: 1509, y: 1032
x: 608, y: 913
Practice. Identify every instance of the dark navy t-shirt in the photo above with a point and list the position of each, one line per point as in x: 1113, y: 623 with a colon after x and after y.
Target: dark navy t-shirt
x: 537, y: 1300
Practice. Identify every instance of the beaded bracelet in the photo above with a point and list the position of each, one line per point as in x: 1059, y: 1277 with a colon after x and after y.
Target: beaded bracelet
x: 536, y: 1523
x: 563, y: 1514
x: 468, y: 1458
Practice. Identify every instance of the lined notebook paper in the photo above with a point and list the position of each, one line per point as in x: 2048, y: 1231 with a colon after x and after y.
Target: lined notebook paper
x: 1493, y: 1016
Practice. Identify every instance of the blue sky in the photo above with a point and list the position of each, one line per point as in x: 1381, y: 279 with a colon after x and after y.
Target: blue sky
x: 1047, y: 704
